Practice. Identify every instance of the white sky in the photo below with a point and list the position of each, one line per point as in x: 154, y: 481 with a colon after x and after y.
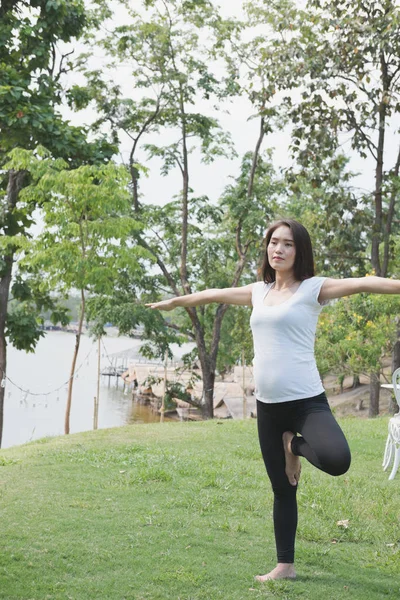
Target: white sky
x: 212, y: 179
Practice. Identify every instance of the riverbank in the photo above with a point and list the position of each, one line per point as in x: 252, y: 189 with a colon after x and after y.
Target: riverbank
x: 183, y: 510
x: 35, y: 400
x: 36, y: 388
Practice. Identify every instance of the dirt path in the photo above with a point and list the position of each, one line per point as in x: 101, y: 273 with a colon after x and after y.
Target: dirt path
x: 337, y: 399
x: 356, y: 402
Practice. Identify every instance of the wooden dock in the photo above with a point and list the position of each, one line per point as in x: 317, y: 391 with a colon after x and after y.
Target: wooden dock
x: 231, y: 395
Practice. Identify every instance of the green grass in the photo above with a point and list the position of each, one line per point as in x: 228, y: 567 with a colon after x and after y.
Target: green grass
x: 182, y: 511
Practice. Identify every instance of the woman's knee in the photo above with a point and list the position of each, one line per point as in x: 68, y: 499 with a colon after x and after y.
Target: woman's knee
x: 336, y: 463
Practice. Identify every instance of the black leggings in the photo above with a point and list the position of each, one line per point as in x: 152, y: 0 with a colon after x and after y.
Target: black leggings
x: 322, y: 444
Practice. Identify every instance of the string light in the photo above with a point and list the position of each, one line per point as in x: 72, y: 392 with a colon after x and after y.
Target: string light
x: 29, y: 393
x: 106, y: 353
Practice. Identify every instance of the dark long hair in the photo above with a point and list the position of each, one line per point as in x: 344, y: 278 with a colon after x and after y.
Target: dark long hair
x: 304, y: 260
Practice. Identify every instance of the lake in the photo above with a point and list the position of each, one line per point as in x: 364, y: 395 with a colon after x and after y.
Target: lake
x: 35, y: 401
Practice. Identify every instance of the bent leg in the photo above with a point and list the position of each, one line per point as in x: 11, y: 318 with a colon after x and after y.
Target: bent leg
x: 322, y: 443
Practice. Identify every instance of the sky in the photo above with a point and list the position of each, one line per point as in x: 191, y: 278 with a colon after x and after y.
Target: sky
x: 211, y: 179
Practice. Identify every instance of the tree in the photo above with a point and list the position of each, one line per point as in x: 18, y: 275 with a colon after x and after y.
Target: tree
x: 338, y: 74
x: 187, y: 237
x: 31, y: 71
x: 212, y: 258
x: 87, y: 221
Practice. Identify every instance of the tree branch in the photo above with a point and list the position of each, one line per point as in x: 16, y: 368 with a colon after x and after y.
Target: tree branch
x: 60, y: 68
x: 178, y: 162
x: 239, y: 248
x: 161, y: 265
x: 183, y: 331
x: 359, y: 86
x: 255, y: 157
x: 160, y: 239
x: 371, y: 146
x: 133, y: 170
x: 53, y: 53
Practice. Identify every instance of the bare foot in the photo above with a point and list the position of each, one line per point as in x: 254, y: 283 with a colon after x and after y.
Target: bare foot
x: 293, y: 466
x: 281, y: 571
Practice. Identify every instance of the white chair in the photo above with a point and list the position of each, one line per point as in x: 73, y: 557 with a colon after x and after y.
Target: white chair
x: 392, y: 448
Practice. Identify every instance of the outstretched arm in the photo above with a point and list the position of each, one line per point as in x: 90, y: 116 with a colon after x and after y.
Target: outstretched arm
x: 240, y: 296
x: 336, y: 288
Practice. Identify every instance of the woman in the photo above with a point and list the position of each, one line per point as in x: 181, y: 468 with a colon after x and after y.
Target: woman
x: 290, y: 396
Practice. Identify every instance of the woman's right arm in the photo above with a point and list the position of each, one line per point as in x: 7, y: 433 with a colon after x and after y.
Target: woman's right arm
x: 240, y: 296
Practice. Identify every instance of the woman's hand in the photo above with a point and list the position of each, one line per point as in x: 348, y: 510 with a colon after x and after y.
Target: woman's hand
x: 163, y: 305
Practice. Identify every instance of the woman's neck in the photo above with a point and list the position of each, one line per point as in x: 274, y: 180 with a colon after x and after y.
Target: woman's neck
x: 284, y: 281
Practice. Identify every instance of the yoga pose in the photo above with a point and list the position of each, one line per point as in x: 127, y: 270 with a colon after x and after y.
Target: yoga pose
x: 293, y: 415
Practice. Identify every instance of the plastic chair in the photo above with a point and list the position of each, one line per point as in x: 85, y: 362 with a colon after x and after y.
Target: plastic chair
x: 392, y: 448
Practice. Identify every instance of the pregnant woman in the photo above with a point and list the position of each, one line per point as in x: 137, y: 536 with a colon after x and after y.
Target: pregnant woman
x: 293, y: 415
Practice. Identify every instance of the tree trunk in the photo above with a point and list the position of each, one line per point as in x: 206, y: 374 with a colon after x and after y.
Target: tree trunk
x: 207, y: 369
x: 208, y: 393
x: 5, y: 284
x: 14, y: 186
x: 211, y: 359
x: 135, y: 185
x: 185, y: 198
x: 74, y: 359
x: 377, y: 227
x: 389, y: 219
x: 356, y: 382
x: 396, y: 351
x: 374, y: 394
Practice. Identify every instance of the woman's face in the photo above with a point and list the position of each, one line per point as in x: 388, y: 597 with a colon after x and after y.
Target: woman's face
x: 281, y: 249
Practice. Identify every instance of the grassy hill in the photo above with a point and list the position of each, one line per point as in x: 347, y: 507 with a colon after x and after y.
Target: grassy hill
x: 182, y: 511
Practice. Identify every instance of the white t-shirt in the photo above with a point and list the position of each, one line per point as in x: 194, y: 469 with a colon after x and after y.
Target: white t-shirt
x: 284, y: 337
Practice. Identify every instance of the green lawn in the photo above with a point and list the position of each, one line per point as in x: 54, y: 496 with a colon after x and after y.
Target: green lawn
x: 183, y: 511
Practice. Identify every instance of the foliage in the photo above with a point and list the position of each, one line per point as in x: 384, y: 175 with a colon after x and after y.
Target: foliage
x: 338, y: 76
x: 25, y: 319
x: 356, y: 334
x: 33, y: 37
x: 125, y: 309
x: 324, y: 201
x: 176, y: 390
x: 31, y: 81
x: 173, y: 389
x: 315, y: 72
x: 87, y: 222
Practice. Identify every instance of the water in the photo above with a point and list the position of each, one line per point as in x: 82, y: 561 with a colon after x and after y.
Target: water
x: 29, y: 417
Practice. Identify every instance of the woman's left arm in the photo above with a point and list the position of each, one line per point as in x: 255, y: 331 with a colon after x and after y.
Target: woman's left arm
x: 336, y: 288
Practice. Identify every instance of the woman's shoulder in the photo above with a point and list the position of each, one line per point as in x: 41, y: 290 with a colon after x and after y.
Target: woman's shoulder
x: 258, y: 290
x: 312, y: 287
x: 261, y: 286
x: 313, y: 281
x: 315, y: 278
